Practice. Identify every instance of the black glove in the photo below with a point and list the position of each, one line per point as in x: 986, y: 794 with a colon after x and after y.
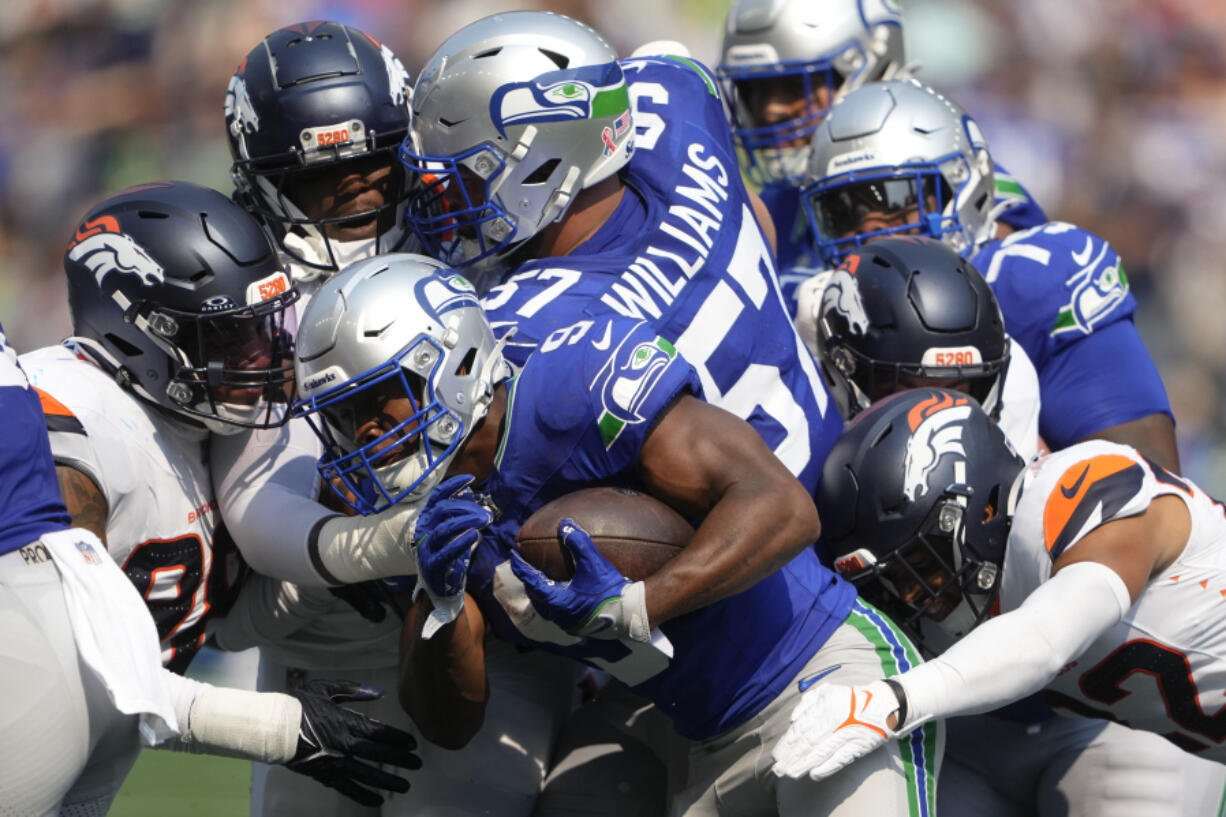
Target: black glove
x: 371, y: 599
x: 333, y: 742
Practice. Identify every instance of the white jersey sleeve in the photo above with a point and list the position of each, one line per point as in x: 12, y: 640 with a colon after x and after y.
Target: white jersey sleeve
x: 266, y: 482
x: 1019, y: 412
x: 1066, y: 495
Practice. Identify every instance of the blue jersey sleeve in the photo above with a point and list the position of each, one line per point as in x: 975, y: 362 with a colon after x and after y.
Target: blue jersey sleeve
x: 1083, y: 391
x: 1023, y: 211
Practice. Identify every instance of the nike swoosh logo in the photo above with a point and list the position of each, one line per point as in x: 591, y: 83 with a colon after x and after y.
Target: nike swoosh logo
x: 1084, y: 256
x: 1071, y: 491
x: 805, y: 683
x: 603, y: 343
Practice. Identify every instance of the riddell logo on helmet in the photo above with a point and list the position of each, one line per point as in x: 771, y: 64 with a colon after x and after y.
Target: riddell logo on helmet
x: 936, y: 430
x: 103, y: 248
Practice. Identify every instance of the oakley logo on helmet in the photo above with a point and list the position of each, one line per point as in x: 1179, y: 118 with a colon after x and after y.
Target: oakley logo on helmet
x: 589, y: 92
x: 936, y: 430
x: 103, y: 248
x: 239, y: 111
x: 843, y: 296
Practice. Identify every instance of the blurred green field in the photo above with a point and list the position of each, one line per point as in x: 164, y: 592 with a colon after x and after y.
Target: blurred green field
x: 166, y: 783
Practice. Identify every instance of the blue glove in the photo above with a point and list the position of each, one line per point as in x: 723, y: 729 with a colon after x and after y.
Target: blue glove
x: 598, y: 600
x: 449, y: 528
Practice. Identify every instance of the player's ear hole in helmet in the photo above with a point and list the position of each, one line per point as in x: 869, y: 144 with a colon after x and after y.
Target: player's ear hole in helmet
x: 396, y: 367
x: 177, y: 292
x: 916, y: 501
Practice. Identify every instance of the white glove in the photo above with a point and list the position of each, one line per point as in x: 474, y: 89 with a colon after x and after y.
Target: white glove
x: 834, y: 725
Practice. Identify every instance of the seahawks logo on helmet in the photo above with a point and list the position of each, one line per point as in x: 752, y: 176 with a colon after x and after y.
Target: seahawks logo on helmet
x: 936, y: 430
x: 439, y: 294
x: 590, y: 92
x: 103, y: 249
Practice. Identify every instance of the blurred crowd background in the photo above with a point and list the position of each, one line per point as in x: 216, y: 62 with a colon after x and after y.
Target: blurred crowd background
x: 1112, y: 112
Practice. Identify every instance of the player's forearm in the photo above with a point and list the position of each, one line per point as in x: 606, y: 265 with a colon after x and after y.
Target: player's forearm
x: 756, y: 527
x: 443, y: 686
x: 258, y: 726
x: 1016, y: 654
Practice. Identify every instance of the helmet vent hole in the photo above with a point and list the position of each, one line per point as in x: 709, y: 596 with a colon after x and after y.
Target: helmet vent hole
x: 493, y: 52
x: 542, y: 173
x: 122, y: 345
x: 152, y: 214
x: 466, y: 364
x: 881, y: 262
x: 560, y: 60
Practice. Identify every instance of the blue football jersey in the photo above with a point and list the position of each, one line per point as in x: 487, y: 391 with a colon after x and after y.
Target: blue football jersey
x: 30, y: 502
x: 1066, y: 300
x: 795, y: 238
x: 577, y: 416
x: 683, y: 252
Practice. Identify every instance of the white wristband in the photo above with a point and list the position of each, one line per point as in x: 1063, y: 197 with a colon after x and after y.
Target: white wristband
x: 259, y: 726
x: 634, y: 608
x: 350, y: 549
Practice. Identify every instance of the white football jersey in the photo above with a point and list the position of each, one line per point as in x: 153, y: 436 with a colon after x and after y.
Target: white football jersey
x: 163, y: 527
x: 1163, y: 667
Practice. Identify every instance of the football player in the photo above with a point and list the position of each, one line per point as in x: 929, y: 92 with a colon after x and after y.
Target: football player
x: 1063, y: 291
x: 315, y: 114
x: 597, y: 190
x: 722, y: 639
x: 83, y: 669
x: 784, y: 64
x: 183, y: 328
x: 906, y: 312
x: 584, y: 188
x: 1104, y: 566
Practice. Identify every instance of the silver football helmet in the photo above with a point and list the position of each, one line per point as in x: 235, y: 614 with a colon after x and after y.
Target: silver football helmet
x: 898, y: 157
x: 784, y: 62
x: 398, y: 327
x: 512, y: 116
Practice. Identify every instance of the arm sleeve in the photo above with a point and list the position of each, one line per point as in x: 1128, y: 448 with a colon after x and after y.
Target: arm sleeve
x: 1103, y: 379
x: 265, y: 482
x: 1018, y: 653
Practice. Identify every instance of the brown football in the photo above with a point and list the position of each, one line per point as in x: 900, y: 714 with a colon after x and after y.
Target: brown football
x: 634, y: 531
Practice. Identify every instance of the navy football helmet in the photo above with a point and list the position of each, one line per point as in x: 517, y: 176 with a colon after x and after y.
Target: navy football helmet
x: 179, y: 293
x: 916, y: 501
x: 311, y: 101
x: 906, y: 312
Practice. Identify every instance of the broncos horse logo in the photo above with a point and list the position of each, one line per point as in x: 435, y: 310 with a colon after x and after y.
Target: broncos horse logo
x: 102, y: 247
x: 240, y: 111
x: 842, y: 295
x: 936, y: 430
